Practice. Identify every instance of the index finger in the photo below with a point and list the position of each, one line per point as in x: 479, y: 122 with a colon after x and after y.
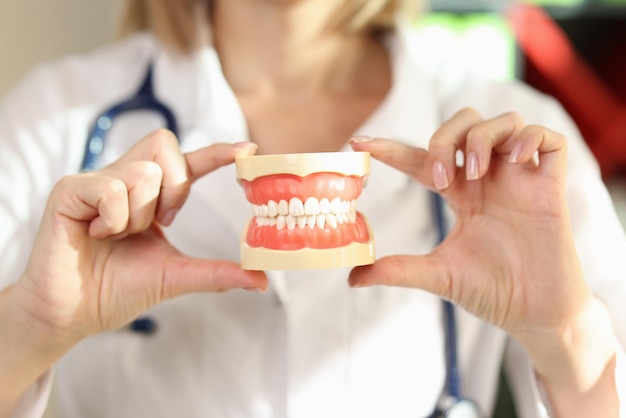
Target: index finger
x: 207, y: 159
x: 161, y: 147
x: 180, y: 170
x: 410, y: 160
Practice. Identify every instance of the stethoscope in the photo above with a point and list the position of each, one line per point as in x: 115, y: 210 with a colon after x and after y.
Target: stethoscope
x: 144, y: 99
x: 451, y: 404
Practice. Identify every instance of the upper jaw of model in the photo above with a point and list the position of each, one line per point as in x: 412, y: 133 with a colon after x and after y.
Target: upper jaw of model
x: 304, y: 208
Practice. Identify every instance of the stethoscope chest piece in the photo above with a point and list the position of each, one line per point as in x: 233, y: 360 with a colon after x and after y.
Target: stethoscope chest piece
x: 463, y: 408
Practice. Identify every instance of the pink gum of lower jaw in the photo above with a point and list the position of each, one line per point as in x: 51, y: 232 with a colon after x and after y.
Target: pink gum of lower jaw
x: 269, y: 236
x: 350, y: 255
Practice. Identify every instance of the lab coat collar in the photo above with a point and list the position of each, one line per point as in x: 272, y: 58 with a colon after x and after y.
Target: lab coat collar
x: 195, y: 88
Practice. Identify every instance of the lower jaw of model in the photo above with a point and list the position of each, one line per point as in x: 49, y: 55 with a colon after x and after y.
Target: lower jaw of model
x: 304, y: 208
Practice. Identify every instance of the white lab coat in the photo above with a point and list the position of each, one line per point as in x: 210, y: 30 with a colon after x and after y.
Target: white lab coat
x: 310, y: 346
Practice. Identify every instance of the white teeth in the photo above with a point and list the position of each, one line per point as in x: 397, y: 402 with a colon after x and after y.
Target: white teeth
x: 312, y: 213
x: 280, y: 222
x: 331, y: 220
x: 312, y: 206
x: 296, y: 207
x: 335, y: 206
x: 324, y: 206
x: 283, y: 208
x: 272, y: 209
x: 260, y: 221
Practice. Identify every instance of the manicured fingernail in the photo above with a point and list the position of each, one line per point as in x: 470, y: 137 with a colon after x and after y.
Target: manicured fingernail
x: 168, y: 217
x: 359, y: 285
x: 472, y: 166
x: 440, y: 177
x: 515, y: 154
x: 359, y: 139
x: 245, y: 145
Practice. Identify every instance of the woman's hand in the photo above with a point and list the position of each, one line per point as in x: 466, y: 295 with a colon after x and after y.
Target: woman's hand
x: 100, y: 258
x: 510, y: 254
x: 510, y: 257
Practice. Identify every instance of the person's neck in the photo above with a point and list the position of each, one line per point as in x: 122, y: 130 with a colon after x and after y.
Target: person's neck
x: 285, y: 49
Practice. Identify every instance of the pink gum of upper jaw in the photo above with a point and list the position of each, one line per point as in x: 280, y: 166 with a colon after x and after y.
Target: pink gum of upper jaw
x: 286, y: 186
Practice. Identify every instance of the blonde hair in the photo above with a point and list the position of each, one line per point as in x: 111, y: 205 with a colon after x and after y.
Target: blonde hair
x: 175, y: 22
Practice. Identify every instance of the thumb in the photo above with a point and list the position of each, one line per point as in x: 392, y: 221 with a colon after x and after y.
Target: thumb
x: 185, y: 274
x: 426, y: 272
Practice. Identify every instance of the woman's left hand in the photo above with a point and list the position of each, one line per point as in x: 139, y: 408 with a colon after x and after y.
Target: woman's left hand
x: 510, y: 254
x: 510, y: 257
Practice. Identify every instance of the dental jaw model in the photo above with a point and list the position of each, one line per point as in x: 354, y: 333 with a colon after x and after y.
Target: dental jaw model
x: 304, y: 208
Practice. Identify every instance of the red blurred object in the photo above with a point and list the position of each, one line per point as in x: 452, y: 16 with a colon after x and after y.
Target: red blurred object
x: 555, y: 67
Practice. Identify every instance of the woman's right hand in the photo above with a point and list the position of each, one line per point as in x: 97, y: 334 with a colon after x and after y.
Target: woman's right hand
x: 100, y: 258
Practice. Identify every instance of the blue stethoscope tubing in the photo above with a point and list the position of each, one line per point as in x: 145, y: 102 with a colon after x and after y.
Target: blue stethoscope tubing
x: 452, y: 362
x: 144, y: 99
x: 452, y: 404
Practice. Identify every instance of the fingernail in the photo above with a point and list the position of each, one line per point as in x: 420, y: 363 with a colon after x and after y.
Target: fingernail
x: 359, y: 285
x: 440, y: 177
x: 515, y: 154
x: 168, y: 217
x: 245, y: 145
x: 254, y: 289
x: 359, y: 139
x: 472, y: 166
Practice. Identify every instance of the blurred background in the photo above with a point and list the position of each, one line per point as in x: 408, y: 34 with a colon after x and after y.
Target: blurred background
x: 574, y: 50
x: 32, y: 31
x: 571, y: 49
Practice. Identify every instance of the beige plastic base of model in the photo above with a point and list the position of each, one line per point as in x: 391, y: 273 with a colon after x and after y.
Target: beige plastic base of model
x: 355, y: 254
x: 251, y: 167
